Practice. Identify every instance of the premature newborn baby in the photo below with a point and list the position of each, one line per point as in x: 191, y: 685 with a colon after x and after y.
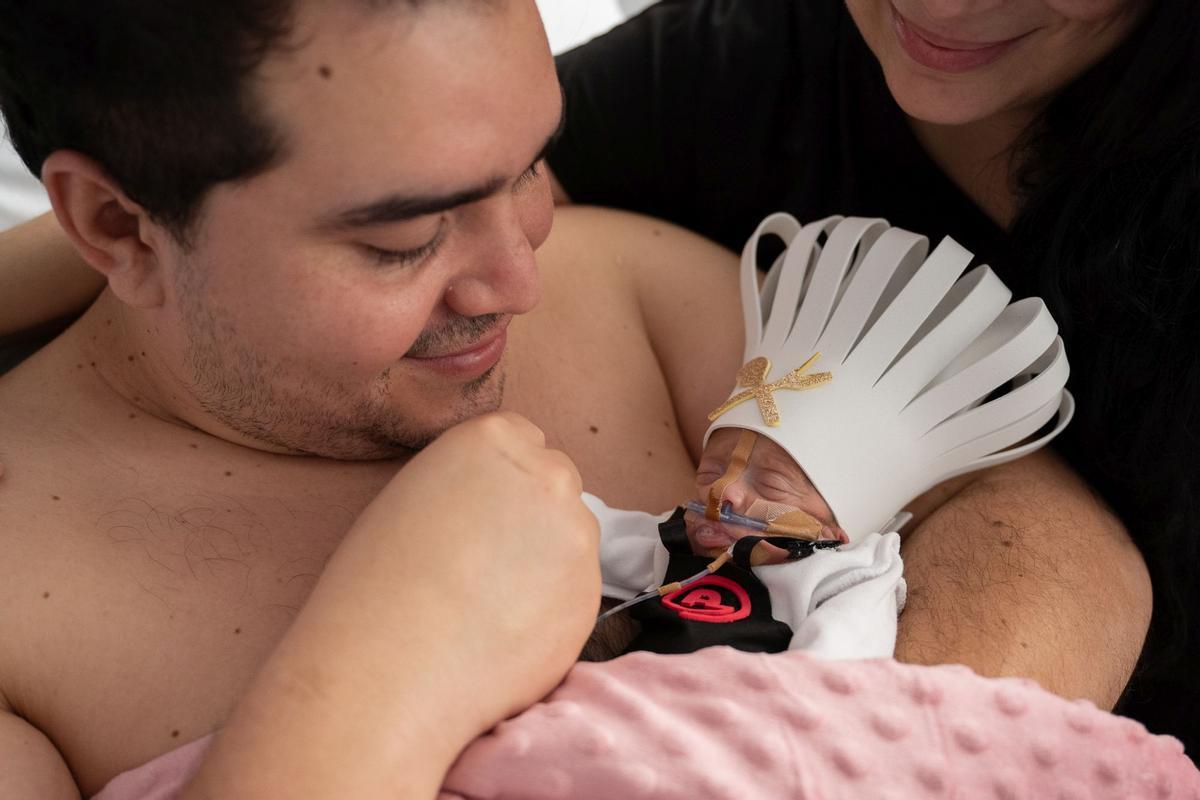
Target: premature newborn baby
x: 774, y: 572
x: 872, y: 366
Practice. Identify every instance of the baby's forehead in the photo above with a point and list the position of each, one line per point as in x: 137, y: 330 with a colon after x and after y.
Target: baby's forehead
x: 766, y: 453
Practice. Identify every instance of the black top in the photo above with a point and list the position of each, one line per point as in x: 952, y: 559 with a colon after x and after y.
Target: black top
x: 715, y: 113
x: 730, y: 607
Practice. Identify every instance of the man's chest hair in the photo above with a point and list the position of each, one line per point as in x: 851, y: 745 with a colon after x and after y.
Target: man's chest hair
x: 611, y: 637
x: 220, y: 547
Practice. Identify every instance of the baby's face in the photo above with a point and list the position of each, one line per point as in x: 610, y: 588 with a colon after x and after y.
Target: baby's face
x: 771, y: 476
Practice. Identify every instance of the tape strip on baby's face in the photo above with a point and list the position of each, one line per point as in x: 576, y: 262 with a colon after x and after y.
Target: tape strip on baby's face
x: 755, y: 478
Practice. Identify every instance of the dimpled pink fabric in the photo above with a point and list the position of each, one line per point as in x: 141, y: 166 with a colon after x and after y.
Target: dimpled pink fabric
x: 725, y: 725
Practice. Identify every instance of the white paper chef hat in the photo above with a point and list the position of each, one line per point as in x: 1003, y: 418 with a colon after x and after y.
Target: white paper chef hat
x: 921, y: 375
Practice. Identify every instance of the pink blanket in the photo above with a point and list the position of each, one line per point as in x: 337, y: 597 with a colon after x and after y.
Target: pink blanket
x: 724, y: 724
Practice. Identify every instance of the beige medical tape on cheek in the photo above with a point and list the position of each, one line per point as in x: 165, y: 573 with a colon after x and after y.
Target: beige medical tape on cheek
x: 737, y: 465
x: 781, y: 519
x: 785, y: 520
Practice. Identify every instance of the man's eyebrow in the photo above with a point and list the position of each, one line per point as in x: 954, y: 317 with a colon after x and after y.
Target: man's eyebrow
x: 400, y: 208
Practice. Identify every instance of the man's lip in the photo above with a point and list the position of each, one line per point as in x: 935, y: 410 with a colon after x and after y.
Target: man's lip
x: 944, y: 54
x: 472, y: 361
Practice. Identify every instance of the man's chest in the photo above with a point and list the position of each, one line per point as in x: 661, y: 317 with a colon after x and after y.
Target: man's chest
x: 145, y: 605
x: 582, y: 368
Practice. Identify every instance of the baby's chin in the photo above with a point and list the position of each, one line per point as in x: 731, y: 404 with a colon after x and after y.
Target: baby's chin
x: 764, y: 553
x: 713, y: 538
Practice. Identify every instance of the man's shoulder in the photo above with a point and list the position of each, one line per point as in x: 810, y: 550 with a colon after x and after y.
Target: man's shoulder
x: 623, y: 247
x: 28, y: 432
x: 29, y: 525
x: 678, y: 290
x: 652, y: 269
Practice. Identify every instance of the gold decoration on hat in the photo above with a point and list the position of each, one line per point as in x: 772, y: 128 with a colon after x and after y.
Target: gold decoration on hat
x: 753, y: 377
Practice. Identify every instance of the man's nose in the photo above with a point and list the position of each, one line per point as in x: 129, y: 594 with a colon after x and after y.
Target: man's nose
x: 500, y: 274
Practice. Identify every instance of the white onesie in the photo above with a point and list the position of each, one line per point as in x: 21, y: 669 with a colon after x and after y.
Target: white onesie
x: 840, y: 604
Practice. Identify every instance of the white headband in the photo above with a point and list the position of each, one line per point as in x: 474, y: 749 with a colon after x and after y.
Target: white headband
x: 922, y: 374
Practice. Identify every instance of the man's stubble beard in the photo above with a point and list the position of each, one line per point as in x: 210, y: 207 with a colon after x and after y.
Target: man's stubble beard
x: 257, y: 398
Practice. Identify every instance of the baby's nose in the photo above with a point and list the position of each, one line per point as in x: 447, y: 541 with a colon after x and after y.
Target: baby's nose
x: 738, y: 497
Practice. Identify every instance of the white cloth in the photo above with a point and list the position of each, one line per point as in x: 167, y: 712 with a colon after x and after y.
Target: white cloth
x: 572, y: 22
x: 21, y: 194
x: 840, y: 604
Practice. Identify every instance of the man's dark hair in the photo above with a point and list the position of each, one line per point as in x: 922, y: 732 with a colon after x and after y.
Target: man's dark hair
x: 156, y: 92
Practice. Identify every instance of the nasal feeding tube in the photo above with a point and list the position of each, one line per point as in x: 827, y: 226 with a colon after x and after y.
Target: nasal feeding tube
x: 719, y: 511
x: 728, y: 516
x: 668, y: 588
x: 796, y: 549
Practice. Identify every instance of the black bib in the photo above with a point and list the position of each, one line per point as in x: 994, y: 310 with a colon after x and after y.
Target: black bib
x: 730, y: 607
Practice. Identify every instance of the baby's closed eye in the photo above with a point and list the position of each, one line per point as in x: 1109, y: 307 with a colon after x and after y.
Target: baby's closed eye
x: 778, y: 482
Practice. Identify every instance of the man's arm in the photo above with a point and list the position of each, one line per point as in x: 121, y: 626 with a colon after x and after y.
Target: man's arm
x: 32, y: 765
x: 41, y: 276
x: 1021, y: 570
x: 372, y: 695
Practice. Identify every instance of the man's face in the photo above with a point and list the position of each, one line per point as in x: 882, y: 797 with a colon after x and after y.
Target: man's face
x: 352, y: 301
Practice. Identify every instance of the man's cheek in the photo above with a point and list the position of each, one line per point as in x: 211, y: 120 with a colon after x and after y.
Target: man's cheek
x: 537, y: 219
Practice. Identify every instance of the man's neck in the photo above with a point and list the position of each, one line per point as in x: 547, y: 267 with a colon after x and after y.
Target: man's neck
x: 109, y: 395
x: 129, y: 362
x: 146, y: 369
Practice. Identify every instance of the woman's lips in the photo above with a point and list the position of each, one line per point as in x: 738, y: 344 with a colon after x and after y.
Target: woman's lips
x: 471, y: 362
x: 947, y: 55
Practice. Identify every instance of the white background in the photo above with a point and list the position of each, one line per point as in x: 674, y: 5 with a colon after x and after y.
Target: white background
x: 572, y: 22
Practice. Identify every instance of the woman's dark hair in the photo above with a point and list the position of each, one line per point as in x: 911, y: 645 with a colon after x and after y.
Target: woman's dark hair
x: 156, y: 91
x: 1110, y: 219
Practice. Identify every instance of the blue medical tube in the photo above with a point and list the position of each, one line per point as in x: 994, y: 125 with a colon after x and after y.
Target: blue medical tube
x: 728, y: 516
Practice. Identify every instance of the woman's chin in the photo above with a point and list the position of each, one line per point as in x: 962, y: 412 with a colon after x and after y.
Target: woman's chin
x: 941, y: 102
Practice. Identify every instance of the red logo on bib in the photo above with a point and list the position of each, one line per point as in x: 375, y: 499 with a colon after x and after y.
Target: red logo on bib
x: 713, y: 599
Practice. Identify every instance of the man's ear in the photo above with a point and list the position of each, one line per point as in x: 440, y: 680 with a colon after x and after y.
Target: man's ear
x: 105, y: 226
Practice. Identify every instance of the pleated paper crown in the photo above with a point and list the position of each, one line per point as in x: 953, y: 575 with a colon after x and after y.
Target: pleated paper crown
x: 882, y: 371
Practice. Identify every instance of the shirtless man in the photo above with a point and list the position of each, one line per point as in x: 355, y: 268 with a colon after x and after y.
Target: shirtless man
x: 188, y: 466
